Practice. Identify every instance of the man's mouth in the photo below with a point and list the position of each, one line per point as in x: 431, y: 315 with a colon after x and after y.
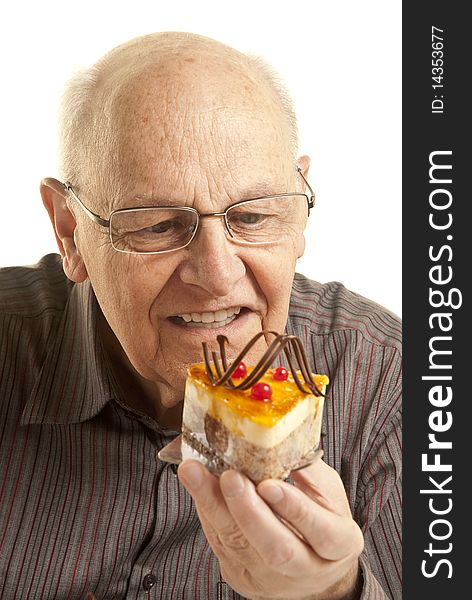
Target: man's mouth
x: 208, y: 320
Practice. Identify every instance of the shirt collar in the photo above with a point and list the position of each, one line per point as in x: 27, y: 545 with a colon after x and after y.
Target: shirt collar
x: 73, y: 384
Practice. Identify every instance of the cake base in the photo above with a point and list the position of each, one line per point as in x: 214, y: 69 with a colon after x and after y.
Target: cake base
x: 178, y: 450
x: 224, y: 450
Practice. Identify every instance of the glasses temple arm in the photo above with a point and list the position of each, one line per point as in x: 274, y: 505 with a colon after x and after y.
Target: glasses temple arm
x: 96, y: 218
x: 311, y: 202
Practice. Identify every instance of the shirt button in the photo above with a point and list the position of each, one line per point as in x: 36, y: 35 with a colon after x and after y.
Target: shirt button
x: 149, y: 581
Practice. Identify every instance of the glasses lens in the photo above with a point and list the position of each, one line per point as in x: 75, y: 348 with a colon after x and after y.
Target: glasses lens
x: 268, y: 219
x: 147, y: 230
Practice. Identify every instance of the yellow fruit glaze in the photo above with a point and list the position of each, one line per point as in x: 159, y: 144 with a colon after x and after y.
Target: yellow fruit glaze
x: 285, y: 395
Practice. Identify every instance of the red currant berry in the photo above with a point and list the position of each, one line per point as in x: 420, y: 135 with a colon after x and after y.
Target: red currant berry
x: 280, y: 374
x: 240, y: 372
x: 261, y: 391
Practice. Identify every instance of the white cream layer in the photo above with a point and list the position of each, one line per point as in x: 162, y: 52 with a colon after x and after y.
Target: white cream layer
x: 198, y: 402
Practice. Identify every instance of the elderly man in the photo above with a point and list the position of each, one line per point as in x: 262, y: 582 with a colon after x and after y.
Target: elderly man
x: 164, y: 142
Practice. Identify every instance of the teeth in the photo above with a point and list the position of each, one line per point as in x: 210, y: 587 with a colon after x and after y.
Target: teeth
x: 221, y: 315
x: 215, y: 324
x: 217, y: 319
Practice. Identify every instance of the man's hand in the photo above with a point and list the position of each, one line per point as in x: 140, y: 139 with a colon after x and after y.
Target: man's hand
x: 262, y: 556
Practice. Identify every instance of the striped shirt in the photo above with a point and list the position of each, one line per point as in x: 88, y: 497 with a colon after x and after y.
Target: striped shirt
x: 85, y: 503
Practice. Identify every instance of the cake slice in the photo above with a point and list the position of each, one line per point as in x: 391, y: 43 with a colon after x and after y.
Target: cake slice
x: 261, y: 421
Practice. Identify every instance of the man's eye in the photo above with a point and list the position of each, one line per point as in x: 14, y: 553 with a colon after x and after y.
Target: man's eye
x: 166, y: 227
x: 248, y: 218
x: 163, y: 226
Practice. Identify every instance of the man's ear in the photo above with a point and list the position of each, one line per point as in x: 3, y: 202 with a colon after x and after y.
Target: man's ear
x: 63, y: 221
x: 304, y: 163
x: 301, y: 246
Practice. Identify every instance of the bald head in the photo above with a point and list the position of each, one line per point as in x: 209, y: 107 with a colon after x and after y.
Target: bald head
x: 165, y: 97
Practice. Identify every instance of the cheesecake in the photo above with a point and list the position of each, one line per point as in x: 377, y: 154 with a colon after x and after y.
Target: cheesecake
x: 257, y: 419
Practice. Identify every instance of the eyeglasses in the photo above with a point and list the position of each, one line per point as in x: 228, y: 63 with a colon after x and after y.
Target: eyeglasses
x: 161, y: 229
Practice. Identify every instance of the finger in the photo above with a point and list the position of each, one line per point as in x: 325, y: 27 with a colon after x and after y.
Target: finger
x: 277, y: 546
x: 219, y: 526
x: 323, y: 485
x: 332, y: 536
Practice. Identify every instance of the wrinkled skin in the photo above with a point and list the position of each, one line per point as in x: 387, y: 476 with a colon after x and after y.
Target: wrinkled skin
x: 203, y: 133
x: 263, y: 558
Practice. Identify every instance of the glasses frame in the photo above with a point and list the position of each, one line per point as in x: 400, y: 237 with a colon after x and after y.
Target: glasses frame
x: 106, y: 223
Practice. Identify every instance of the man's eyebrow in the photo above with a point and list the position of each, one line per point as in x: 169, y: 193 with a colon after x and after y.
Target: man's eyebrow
x: 153, y: 200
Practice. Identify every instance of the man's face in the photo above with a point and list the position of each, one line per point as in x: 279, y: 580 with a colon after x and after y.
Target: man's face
x: 206, y: 152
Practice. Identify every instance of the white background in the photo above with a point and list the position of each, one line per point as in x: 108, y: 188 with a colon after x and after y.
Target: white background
x: 341, y: 61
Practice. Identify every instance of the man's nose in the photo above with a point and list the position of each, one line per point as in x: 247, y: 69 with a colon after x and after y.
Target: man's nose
x: 213, y: 262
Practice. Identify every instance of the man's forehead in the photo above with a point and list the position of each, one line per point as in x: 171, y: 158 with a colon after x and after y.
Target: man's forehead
x: 195, y: 130
x: 173, y: 113
x: 201, y: 188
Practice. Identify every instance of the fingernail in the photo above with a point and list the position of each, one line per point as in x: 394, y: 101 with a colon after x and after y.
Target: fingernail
x: 232, y: 484
x: 271, y: 492
x: 191, y: 476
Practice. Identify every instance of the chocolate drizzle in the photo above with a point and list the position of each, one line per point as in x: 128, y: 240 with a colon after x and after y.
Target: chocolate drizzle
x: 290, y: 344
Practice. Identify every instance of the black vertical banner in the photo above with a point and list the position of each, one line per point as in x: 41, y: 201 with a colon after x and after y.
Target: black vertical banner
x: 437, y: 261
